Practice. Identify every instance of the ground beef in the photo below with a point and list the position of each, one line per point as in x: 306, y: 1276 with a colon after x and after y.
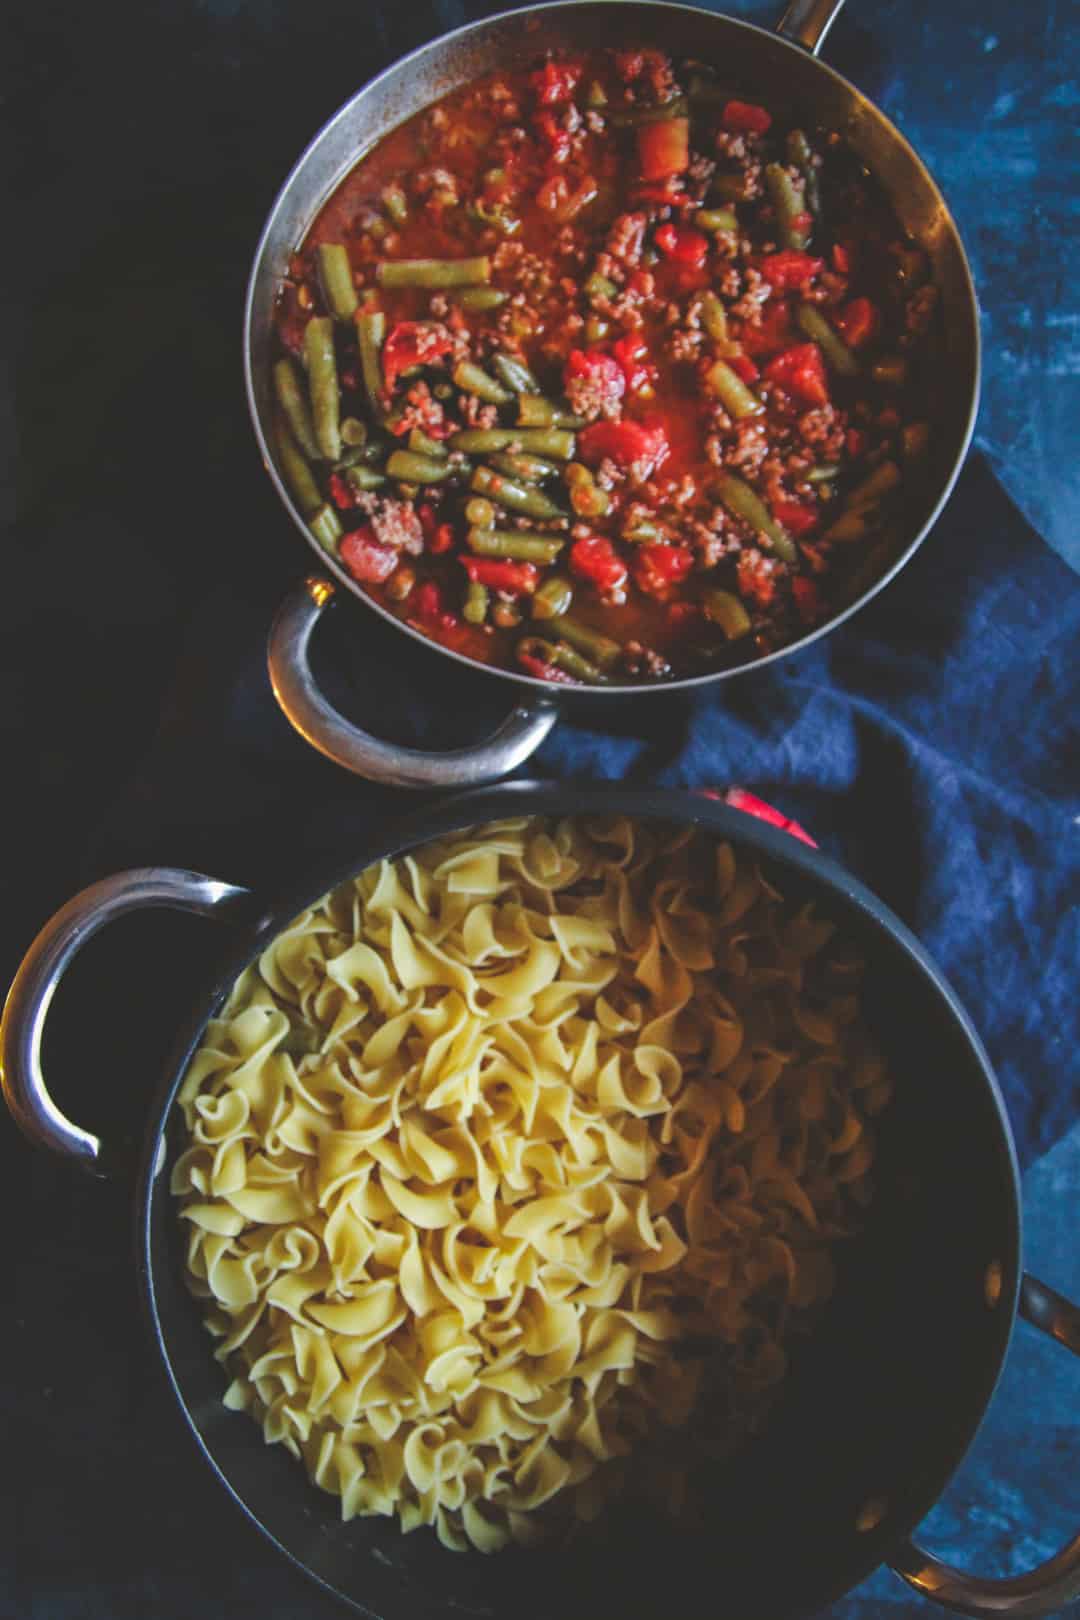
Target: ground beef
x: 747, y: 448
x: 477, y: 413
x: 394, y: 523
x: 822, y: 430
x: 437, y: 184
x: 756, y: 576
x: 625, y: 238
x: 641, y: 660
x: 757, y: 291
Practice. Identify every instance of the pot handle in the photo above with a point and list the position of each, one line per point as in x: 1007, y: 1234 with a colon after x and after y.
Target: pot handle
x: 1045, y: 1589
x: 42, y: 968
x: 806, y: 22
x: 309, y: 713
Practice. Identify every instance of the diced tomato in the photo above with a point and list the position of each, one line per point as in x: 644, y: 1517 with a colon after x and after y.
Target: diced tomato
x: 555, y: 138
x: 683, y: 616
x: 544, y: 672
x: 657, y: 569
x: 754, y: 575
x: 664, y: 193
x: 442, y: 539
x: 629, y: 65
x: 630, y: 354
x: 841, y: 258
x: 739, y: 799
x: 664, y: 148
x: 516, y: 578
x: 855, y: 443
x: 413, y: 343
x: 629, y: 444
x: 438, y: 536
x: 430, y: 610
x: 596, y: 560
x: 744, y: 367
x: 774, y: 331
x: 796, y: 517
x: 800, y: 371
x: 367, y: 559
x: 787, y: 270
x: 888, y: 419
x: 555, y: 82
x: 805, y: 595
x: 857, y: 322
x: 683, y: 245
x: 340, y: 493
x: 801, y: 222
x: 553, y: 194
x: 745, y: 118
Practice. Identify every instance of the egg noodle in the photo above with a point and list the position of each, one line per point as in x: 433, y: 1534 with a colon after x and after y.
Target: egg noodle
x: 498, y: 1132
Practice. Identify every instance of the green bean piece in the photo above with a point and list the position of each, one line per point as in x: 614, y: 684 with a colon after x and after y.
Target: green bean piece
x: 505, y: 615
x: 823, y: 474
x: 789, y: 205
x: 335, y: 278
x: 353, y: 432
x: 915, y: 439
x: 741, y: 501
x: 601, y: 649
x: 323, y: 390
x: 413, y: 469
x: 396, y: 203
x: 552, y: 598
x: 515, y: 546
x: 513, y: 496
x: 848, y: 526
x: 294, y: 469
x: 596, y: 328
x: 528, y: 469
x: 479, y: 298
x: 370, y: 331
x: 883, y: 479
x: 644, y: 534
x: 433, y: 272
x: 832, y: 346
x: 480, y: 514
x: 515, y: 374
x: 716, y: 219
x: 477, y: 597
x: 726, y: 610
x: 536, y: 411
x: 596, y: 95
x: 364, y: 478
x: 562, y: 656
x: 731, y: 391
x: 586, y: 496
x: 714, y: 317
x: 425, y: 446
x: 801, y: 154
x: 474, y: 380
x: 544, y: 441
x: 598, y: 286
x: 730, y: 185
x: 891, y: 370
x: 325, y: 525
x: 293, y: 401
x: 648, y: 113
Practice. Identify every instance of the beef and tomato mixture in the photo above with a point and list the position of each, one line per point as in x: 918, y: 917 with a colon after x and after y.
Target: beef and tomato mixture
x: 599, y: 373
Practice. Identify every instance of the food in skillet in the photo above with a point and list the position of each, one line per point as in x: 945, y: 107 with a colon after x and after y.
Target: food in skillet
x: 515, y: 1153
x: 599, y: 373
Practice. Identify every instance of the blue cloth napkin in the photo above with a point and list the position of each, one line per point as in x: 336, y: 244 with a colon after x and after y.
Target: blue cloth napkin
x: 930, y: 744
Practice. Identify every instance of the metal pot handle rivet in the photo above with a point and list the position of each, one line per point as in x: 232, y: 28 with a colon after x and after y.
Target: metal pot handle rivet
x: 1045, y: 1589
x: 27, y: 1005
x: 309, y: 713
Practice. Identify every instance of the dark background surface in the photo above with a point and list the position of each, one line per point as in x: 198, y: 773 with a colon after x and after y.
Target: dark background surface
x: 149, y: 143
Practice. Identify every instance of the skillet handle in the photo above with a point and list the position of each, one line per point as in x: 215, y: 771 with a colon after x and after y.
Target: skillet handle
x: 806, y: 22
x: 1051, y: 1585
x: 309, y: 713
x: 43, y: 966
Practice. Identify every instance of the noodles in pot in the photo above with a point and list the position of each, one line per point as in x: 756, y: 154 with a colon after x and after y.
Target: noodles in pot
x: 495, y: 1137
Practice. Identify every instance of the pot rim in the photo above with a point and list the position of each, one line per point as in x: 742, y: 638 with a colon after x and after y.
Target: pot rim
x: 495, y: 802
x: 688, y: 683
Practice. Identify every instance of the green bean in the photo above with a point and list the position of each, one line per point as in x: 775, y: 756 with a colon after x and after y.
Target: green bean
x: 505, y: 615
x: 716, y: 219
x: 832, y: 346
x: 648, y: 113
x: 536, y: 411
x: 517, y: 547
x: 596, y: 328
x: 850, y: 525
x: 293, y: 401
x: 545, y: 441
x: 413, y: 469
x: 726, y: 610
x: 789, y: 205
x: 475, y: 380
x: 395, y: 202
x: 515, y: 497
x: 480, y: 298
x: 801, y: 154
x: 325, y: 525
x: 598, y: 286
x: 552, y: 598
x: 294, y: 469
x: 891, y: 370
x: 424, y: 446
x: 730, y: 185
x: 644, y: 534
x: 477, y: 597
x: 596, y: 95
x: 353, y: 432
x: 883, y: 478
x: 530, y: 469
x: 823, y: 474
x: 915, y: 439
x: 731, y: 391
x: 364, y: 478
x: 562, y: 656
x: 370, y: 331
x: 432, y: 272
x: 480, y: 514
x: 515, y: 374
x: 587, y: 498
x: 714, y: 317
x: 601, y: 649
x: 744, y: 502
x: 335, y: 278
x: 323, y: 390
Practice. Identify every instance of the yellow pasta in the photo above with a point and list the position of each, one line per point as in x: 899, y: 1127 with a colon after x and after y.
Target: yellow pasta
x: 512, y: 1155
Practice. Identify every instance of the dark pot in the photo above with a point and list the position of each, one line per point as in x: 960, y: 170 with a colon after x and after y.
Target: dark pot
x: 880, y: 1406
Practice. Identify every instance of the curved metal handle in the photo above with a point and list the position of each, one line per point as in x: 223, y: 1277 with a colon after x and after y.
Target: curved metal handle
x: 806, y: 22
x: 308, y: 712
x: 32, y: 990
x: 1051, y: 1585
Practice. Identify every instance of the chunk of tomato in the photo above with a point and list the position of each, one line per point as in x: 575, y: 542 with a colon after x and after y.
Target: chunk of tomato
x: 634, y: 445
x: 367, y: 559
x: 664, y: 148
x: 745, y: 118
x: 800, y: 372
